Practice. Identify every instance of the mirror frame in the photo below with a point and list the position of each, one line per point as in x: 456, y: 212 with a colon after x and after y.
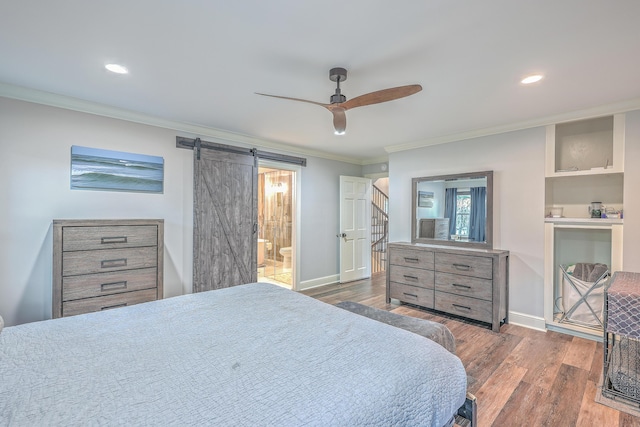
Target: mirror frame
x: 487, y: 244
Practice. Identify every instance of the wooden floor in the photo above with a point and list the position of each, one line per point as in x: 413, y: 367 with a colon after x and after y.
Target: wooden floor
x: 520, y: 376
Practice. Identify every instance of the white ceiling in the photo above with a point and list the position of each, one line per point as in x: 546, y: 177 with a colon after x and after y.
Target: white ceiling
x: 199, y: 62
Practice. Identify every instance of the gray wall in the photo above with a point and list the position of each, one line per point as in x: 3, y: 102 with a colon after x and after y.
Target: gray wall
x: 36, y: 145
x: 631, y: 242
x: 321, y: 219
x: 517, y: 159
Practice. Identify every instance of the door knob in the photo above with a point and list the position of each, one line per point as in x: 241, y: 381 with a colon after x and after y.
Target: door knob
x: 343, y: 235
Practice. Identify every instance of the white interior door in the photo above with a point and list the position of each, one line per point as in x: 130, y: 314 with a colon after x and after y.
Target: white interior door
x: 355, y: 228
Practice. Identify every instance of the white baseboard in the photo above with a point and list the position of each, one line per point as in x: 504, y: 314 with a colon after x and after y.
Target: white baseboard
x: 320, y: 281
x: 527, y: 321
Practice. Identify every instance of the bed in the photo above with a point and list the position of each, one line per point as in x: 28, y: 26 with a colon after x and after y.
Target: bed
x: 249, y: 355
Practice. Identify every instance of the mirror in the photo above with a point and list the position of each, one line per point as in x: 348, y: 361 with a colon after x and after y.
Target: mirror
x: 453, y: 210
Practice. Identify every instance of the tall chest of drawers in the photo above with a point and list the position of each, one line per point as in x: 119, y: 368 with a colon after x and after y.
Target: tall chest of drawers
x: 103, y: 264
x: 471, y: 283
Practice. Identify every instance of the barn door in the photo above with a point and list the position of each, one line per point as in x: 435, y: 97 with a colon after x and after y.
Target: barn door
x: 225, y: 219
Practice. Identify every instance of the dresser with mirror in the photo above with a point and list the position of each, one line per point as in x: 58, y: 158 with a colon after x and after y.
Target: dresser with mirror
x: 450, y: 265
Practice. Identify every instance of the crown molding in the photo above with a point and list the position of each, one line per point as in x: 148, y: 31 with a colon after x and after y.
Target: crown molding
x: 75, y: 104
x: 603, y: 110
x: 374, y: 161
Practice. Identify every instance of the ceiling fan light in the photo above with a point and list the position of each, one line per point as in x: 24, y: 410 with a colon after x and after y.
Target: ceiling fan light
x: 531, y: 79
x: 339, y: 132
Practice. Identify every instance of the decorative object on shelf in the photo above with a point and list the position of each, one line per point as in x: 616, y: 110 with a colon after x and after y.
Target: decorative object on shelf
x: 611, y: 213
x: 595, y: 209
x: 95, y: 169
x: 556, y: 212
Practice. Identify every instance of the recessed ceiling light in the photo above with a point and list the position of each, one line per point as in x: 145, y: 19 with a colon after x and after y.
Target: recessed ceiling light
x: 531, y: 79
x: 116, y: 68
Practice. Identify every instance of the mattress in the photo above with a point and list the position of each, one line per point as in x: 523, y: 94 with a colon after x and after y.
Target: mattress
x: 249, y: 355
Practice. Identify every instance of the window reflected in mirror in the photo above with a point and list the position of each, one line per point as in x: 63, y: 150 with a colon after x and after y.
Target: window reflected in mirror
x: 453, y: 209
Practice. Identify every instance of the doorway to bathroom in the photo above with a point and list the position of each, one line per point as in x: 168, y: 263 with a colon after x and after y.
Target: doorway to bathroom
x: 277, y: 223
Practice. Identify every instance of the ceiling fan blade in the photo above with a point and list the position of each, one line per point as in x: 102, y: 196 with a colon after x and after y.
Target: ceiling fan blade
x: 294, y: 99
x: 381, y: 96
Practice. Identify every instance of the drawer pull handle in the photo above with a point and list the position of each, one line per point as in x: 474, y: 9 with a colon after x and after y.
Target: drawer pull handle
x: 411, y: 259
x: 461, y: 306
x: 119, y: 239
x: 110, y: 263
x: 462, y: 267
x: 414, y: 278
x: 457, y: 285
x: 410, y: 295
x: 114, y: 285
x: 109, y: 307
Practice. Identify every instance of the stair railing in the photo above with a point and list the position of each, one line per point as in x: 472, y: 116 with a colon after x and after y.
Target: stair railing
x: 379, y: 230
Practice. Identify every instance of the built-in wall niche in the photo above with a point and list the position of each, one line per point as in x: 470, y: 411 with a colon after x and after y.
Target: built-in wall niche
x: 572, y: 246
x: 575, y: 193
x: 588, y: 146
x: 584, y: 163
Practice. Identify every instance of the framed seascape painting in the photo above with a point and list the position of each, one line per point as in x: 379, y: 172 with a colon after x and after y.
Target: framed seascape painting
x: 95, y: 169
x: 425, y: 199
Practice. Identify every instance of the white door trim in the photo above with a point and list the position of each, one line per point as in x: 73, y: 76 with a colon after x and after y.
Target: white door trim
x: 295, y: 229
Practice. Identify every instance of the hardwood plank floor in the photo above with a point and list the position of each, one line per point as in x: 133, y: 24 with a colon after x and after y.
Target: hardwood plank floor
x: 520, y: 376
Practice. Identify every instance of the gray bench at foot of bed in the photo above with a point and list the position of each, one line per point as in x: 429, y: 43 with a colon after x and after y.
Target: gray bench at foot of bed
x: 426, y: 328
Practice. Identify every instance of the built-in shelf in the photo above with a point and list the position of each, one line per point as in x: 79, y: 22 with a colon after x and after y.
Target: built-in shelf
x: 599, y: 171
x: 584, y: 163
x: 584, y: 221
x: 585, y: 147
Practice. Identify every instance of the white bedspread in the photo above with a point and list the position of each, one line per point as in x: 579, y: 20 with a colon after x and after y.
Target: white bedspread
x: 251, y: 355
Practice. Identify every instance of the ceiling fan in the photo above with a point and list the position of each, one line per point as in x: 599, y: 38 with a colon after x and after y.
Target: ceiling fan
x: 338, y: 103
